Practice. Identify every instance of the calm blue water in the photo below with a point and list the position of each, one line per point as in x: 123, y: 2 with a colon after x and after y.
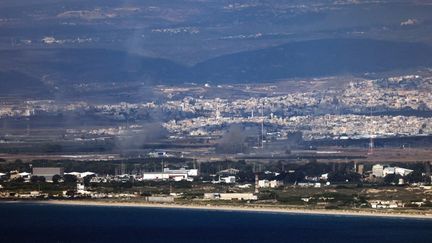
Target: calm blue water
x: 32, y: 222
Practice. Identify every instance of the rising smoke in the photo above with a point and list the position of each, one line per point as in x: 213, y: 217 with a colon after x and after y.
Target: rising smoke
x: 235, y: 139
x: 151, y: 132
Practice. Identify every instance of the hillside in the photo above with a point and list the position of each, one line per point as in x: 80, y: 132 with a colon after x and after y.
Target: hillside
x: 34, y: 69
x: 314, y: 58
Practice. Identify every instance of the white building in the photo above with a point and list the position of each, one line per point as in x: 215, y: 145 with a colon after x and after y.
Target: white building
x: 387, y: 170
x: 244, y: 186
x: 82, y: 190
x: 238, y: 196
x: 159, y: 155
x: 377, y: 170
x: 48, y: 172
x: 386, y: 204
x: 269, y: 184
x: 402, y: 171
x: 310, y: 184
x: 80, y: 175
x: 160, y: 199
x: 168, y: 174
x: 324, y: 177
x: 26, y: 176
x: 189, y: 172
x: 228, y: 179
x: 229, y: 171
x: 230, y: 196
x: 156, y: 176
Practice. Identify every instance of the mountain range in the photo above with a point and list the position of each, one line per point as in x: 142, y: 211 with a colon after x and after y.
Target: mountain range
x: 31, y: 70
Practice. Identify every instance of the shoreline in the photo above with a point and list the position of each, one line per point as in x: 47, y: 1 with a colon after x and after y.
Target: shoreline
x: 237, y: 208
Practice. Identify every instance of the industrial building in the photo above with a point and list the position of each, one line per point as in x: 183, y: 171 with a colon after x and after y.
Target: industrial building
x: 162, y: 176
x: 80, y: 175
x: 160, y: 199
x: 48, y: 172
x: 189, y: 172
x: 230, y: 196
x: 269, y: 184
x: 227, y: 180
x: 379, y: 170
x: 168, y: 174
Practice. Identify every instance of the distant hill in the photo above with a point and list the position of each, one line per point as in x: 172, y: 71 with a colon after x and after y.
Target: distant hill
x: 91, y: 65
x: 15, y: 84
x: 314, y: 58
x: 39, y: 70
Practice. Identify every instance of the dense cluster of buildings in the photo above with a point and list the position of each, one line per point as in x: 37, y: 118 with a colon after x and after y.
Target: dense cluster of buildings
x: 303, y: 111
x: 414, y: 94
x: 237, y: 192
x: 315, y: 127
x: 331, y: 113
x: 380, y: 171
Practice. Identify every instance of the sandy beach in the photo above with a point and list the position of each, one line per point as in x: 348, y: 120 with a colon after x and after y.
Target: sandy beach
x: 254, y: 208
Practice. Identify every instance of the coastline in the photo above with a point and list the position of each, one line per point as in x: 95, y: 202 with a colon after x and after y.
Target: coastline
x: 238, y: 208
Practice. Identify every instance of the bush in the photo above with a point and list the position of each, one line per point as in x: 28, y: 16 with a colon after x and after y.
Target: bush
x: 37, y: 179
x: 56, y: 179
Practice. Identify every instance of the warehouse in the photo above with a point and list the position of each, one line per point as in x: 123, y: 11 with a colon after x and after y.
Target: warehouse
x: 48, y: 172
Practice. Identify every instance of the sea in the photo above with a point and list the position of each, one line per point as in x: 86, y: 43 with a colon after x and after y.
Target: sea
x: 39, y: 222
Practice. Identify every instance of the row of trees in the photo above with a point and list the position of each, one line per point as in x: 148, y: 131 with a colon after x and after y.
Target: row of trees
x: 414, y: 177
x: 66, y: 179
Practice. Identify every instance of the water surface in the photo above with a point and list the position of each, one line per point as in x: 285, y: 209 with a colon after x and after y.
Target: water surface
x: 33, y: 222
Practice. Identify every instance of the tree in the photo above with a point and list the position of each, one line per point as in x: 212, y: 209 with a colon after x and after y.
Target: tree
x: 344, y: 177
x: 37, y: 179
x: 56, y: 179
x: 70, y: 179
x: 246, y: 176
x: 19, y: 180
x: 297, y: 176
x: 392, y: 179
x: 87, y: 180
x: 415, y: 177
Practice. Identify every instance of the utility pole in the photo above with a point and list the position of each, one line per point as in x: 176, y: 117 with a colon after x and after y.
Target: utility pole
x: 163, y: 165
